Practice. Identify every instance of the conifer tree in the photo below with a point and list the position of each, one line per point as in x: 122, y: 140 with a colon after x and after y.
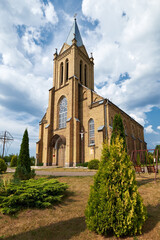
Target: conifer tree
x: 118, y: 130
x: 138, y: 160
x: 23, y: 170
x: 114, y: 204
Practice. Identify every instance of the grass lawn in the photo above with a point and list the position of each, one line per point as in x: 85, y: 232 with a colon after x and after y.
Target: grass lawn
x: 66, y: 221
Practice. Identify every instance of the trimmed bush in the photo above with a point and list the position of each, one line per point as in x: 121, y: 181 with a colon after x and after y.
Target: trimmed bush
x: 114, y: 204
x: 3, y: 166
x: 40, y: 164
x: 93, y: 164
x: 41, y: 193
x: 82, y: 164
x: 14, y: 161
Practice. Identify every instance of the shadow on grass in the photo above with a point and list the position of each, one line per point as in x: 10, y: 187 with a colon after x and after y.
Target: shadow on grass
x: 153, y: 218
x: 146, y: 180
x: 64, y: 230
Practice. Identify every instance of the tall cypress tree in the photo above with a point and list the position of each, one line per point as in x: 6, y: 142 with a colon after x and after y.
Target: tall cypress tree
x: 118, y: 130
x: 114, y: 204
x: 23, y: 170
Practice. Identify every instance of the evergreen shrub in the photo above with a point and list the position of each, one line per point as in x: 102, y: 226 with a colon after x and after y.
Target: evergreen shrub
x: 118, y: 130
x: 32, y: 160
x: 114, y: 205
x: 138, y: 160
x: 85, y: 164
x: 40, y: 164
x: 41, y: 193
x: 3, y: 166
x: 93, y: 164
x: 23, y: 170
x: 14, y: 161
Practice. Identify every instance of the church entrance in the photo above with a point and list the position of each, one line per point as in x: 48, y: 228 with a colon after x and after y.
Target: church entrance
x: 58, y: 145
x: 61, y: 150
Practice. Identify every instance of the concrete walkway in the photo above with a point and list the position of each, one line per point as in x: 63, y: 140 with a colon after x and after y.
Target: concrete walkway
x: 65, y: 174
x: 58, y: 173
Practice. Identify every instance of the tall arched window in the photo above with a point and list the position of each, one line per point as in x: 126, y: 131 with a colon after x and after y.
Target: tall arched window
x: 91, y: 132
x: 62, y: 112
x: 67, y: 69
x: 125, y: 127
x: 133, y: 132
x: 85, y: 75
x: 80, y: 71
x: 111, y: 122
x: 61, y: 73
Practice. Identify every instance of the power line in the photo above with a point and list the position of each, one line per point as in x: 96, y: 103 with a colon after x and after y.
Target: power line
x: 6, y: 139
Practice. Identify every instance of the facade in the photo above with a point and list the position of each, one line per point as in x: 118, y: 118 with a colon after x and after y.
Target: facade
x: 78, y: 120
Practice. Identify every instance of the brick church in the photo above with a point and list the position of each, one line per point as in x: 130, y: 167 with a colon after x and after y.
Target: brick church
x: 78, y: 120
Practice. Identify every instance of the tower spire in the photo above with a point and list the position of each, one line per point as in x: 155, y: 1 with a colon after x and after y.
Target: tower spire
x: 74, y: 33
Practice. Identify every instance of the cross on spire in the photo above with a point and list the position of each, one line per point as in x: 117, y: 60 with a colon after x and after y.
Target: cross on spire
x: 75, y: 15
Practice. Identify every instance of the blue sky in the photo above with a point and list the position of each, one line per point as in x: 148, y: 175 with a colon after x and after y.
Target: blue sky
x: 124, y: 37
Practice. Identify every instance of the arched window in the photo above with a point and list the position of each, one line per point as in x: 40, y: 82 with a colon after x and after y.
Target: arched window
x: 91, y: 132
x: 67, y: 69
x: 85, y: 75
x: 61, y: 73
x: 133, y: 132
x: 62, y: 112
x: 80, y: 71
x: 139, y: 133
x: 125, y: 128
x: 111, y: 123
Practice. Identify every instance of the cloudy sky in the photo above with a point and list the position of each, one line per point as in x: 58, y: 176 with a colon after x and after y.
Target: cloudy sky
x: 124, y: 37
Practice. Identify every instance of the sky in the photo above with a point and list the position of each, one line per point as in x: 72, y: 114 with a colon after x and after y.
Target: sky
x: 124, y: 37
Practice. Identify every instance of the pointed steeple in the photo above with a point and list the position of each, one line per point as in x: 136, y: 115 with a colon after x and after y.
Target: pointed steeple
x: 74, y: 33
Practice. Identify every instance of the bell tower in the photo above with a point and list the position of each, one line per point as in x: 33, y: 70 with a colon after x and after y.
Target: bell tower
x: 73, y: 60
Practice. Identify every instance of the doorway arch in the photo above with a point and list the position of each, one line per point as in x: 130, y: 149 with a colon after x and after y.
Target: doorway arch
x: 58, y: 144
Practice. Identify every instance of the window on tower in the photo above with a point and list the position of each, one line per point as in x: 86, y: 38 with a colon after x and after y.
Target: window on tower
x: 80, y: 71
x: 91, y: 132
x: 67, y: 69
x: 61, y: 73
x: 62, y: 112
x: 85, y: 75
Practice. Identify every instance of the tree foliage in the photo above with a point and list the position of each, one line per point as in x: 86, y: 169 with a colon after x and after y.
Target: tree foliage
x: 23, y: 170
x: 14, y: 161
x: 118, y: 130
x: 138, y: 160
x: 114, y: 204
x: 158, y: 147
x: 3, y: 166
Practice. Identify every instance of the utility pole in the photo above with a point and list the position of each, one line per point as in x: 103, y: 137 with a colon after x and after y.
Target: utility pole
x: 5, y: 138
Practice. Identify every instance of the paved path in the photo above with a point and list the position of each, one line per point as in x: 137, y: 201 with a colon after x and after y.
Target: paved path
x: 60, y: 174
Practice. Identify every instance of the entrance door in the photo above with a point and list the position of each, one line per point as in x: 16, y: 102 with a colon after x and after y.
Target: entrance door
x: 61, y: 154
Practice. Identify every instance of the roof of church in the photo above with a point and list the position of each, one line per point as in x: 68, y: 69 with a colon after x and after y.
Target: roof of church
x: 74, y: 33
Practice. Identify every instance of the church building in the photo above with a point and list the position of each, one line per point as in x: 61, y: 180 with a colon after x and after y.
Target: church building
x: 78, y: 120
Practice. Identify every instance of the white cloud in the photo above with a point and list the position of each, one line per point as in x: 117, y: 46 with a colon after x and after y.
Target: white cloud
x: 126, y: 44
x: 149, y: 130
x: 25, y: 70
x: 50, y: 13
x: 158, y: 127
